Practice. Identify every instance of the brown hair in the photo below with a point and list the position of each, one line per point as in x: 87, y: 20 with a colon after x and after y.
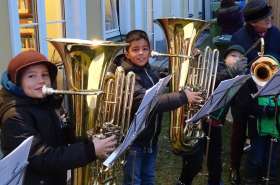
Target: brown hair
x: 136, y: 35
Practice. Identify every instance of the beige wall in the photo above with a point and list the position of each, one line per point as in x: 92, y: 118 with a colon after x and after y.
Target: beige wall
x: 5, y: 44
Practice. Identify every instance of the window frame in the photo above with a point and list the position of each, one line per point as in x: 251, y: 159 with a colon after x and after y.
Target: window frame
x: 112, y: 32
x: 69, y: 5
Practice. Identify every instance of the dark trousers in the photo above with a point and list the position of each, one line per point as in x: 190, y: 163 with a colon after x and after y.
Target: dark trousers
x: 258, y: 156
x: 237, y: 140
x: 192, y: 163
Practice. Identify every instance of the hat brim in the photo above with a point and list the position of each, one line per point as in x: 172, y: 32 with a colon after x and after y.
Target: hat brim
x: 258, y: 15
x: 51, y: 67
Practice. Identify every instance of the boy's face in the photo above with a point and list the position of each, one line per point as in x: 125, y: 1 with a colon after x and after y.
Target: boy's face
x: 232, y: 58
x: 138, y: 52
x: 33, y: 78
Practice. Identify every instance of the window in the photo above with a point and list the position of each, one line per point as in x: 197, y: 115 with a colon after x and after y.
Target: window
x: 36, y: 26
x: 55, y: 24
x: 28, y: 24
x: 111, y: 18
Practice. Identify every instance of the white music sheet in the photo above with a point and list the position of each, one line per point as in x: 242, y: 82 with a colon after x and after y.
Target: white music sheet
x: 12, y: 166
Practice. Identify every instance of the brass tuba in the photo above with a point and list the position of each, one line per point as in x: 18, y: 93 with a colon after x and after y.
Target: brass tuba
x: 85, y: 65
x: 181, y: 35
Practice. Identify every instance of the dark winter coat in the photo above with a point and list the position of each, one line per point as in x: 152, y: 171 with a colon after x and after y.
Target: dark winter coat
x: 245, y: 108
x: 246, y: 37
x: 230, y: 19
x: 53, y: 150
x: 146, y: 78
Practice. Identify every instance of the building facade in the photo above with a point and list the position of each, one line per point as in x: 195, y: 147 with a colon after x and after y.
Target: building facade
x: 26, y: 24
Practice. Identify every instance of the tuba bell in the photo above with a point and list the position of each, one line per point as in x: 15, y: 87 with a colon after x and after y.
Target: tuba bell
x: 181, y: 35
x: 105, y: 109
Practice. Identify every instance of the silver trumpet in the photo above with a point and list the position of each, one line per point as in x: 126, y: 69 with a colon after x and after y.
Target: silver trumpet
x: 50, y: 91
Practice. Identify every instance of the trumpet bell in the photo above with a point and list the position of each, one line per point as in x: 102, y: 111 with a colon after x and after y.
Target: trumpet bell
x: 263, y: 69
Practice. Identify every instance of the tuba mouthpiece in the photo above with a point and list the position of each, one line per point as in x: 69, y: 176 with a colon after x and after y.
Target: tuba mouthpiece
x: 47, y: 90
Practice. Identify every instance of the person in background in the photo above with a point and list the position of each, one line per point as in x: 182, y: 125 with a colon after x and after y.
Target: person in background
x: 258, y: 23
x: 229, y: 17
x: 258, y: 19
x: 25, y: 111
x: 139, y: 168
x: 254, y: 112
x: 231, y: 66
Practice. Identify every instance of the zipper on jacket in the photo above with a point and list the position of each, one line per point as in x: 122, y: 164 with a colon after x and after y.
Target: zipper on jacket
x: 150, y: 78
x: 155, y: 130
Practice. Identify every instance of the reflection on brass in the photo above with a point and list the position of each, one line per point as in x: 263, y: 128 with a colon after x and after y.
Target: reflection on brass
x: 181, y: 35
x: 84, y: 68
x: 158, y: 54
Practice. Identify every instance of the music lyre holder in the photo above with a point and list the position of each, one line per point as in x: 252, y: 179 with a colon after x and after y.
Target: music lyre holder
x: 220, y: 98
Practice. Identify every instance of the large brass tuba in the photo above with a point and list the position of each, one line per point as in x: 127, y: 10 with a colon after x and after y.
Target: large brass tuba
x: 181, y: 35
x: 85, y: 68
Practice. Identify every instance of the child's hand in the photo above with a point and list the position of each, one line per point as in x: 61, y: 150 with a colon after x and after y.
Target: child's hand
x: 103, y: 147
x: 193, y: 97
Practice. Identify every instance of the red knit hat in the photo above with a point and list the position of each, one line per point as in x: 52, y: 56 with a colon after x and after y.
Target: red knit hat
x: 25, y: 59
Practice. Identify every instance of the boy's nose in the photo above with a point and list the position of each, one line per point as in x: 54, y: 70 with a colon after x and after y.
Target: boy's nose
x: 41, y: 79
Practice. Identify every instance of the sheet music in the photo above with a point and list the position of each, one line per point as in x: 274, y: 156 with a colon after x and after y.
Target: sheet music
x: 12, y: 166
x: 139, y: 119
